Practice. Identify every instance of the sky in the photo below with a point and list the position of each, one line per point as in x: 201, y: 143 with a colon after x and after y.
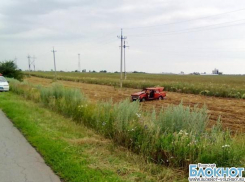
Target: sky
x: 162, y: 35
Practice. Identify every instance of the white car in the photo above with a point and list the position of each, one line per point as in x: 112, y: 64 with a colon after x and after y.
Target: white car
x: 4, y: 85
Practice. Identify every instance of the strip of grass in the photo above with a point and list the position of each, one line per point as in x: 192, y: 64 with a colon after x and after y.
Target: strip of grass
x: 76, y: 153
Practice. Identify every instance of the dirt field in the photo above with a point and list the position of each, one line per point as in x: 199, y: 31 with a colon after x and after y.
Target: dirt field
x: 231, y: 111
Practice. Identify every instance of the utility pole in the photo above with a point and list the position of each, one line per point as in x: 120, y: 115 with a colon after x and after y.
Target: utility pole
x: 54, y: 63
x: 33, y: 62
x: 29, y: 62
x: 79, y: 66
x: 125, y: 76
x: 122, y: 38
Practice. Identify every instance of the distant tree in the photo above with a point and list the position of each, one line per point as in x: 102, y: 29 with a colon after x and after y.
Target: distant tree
x: 196, y: 73
x: 9, y: 69
x: 76, y: 71
x: 138, y: 72
x: 94, y: 71
x: 103, y: 71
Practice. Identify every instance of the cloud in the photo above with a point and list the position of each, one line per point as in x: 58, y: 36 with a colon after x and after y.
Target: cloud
x: 91, y: 28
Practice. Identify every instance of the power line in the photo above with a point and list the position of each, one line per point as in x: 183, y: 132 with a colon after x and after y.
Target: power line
x: 183, y: 48
x: 204, y: 40
x: 102, y: 37
x: 104, y: 40
x: 111, y: 33
x: 192, y: 29
x: 114, y: 40
x: 110, y: 40
x: 107, y: 35
x: 186, y: 20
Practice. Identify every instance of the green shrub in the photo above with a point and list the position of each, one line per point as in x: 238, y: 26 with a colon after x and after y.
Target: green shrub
x: 9, y: 69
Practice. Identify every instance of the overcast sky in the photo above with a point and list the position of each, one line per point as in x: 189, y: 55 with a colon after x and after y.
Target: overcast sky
x: 163, y: 35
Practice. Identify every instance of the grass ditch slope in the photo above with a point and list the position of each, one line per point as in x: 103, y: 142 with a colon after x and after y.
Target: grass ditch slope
x: 75, y: 152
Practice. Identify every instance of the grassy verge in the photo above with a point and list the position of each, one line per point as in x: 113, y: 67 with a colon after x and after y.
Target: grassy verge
x: 176, y: 136
x: 218, y: 86
x: 75, y: 152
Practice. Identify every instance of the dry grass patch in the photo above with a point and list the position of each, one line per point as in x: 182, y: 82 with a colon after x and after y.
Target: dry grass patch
x: 105, y: 155
x: 88, y: 140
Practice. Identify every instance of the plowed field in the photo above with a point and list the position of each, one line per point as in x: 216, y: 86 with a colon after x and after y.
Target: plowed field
x: 231, y: 111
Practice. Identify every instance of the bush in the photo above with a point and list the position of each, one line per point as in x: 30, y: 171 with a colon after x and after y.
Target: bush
x: 9, y: 69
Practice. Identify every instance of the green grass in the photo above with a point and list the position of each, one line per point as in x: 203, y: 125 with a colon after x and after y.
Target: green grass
x: 75, y: 152
x: 176, y: 136
x: 219, y: 86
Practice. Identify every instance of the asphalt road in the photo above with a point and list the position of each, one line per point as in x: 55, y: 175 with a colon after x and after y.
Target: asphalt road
x: 19, y: 161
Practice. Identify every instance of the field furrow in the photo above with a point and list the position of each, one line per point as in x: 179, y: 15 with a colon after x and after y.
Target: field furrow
x: 231, y: 111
